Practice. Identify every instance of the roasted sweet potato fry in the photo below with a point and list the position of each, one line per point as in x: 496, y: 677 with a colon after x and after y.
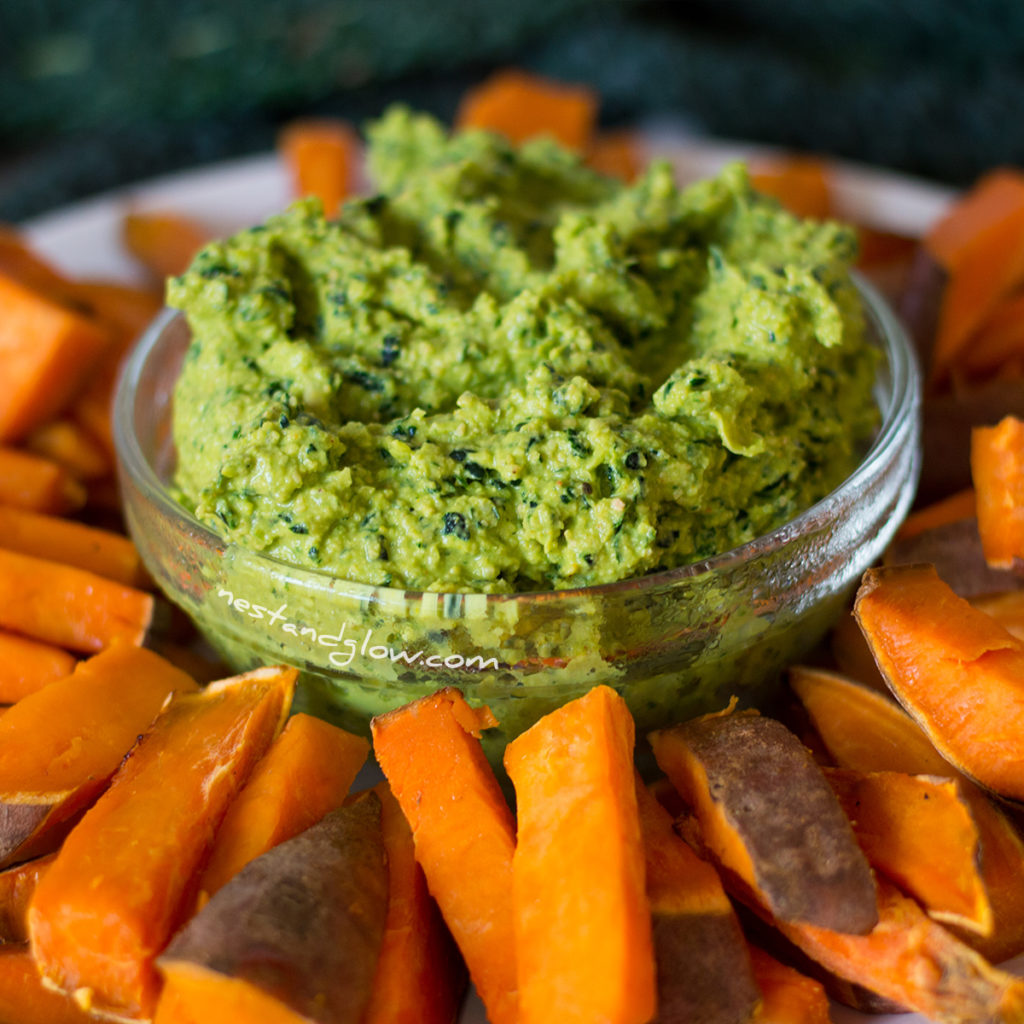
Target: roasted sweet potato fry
x: 164, y: 242
x: 997, y: 466
x: 583, y: 925
x: 521, y: 106
x: 294, y: 936
x: 46, y: 350
x: 787, y: 996
x: 37, y: 484
x: 28, y: 665
x: 420, y: 977
x: 913, y: 961
x: 463, y: 830
x: 306, y: 773
x: 321, y: 155
x: 60, y: 746
x: 918, y: 830
x: 767, y: 814
x: 103, y: 552
x: 958, y: 672
x: 125, y: 878
x: 26, y: 999
x: 703, y: 964
x: 69, y: 607
x: 800, y: 183
x: 17, y: 887
x: 864, y: 730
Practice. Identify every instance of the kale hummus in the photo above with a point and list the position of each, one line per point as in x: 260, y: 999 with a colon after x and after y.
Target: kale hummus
x: 503, y: 372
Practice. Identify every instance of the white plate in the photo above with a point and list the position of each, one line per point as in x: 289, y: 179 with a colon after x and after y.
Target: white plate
x: 83, y: 240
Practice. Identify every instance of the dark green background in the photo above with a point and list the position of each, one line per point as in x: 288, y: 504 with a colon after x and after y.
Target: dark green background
x: 98, y: 92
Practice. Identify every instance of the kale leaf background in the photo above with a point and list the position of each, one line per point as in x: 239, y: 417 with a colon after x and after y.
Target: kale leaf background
x: 99, y: 93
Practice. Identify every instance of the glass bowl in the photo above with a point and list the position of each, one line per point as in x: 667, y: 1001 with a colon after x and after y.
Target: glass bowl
x: 674, y: 644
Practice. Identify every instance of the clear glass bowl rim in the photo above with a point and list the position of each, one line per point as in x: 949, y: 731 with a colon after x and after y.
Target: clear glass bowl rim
x: 902, y: 408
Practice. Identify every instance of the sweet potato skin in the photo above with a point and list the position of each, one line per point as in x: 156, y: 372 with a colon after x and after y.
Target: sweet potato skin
x: 303, y: 922
x: 703, y: 970
x: 768, y: 815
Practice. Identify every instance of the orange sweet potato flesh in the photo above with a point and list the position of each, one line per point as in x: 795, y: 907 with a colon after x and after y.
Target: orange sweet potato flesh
x: 989, y: 267
x: 60, y: 746
x: 618, y: 154
x: 46, y: 350
x: 27, y: 665
x: 912, y: 960
x: 17, y: 887
x: 29, y: 481
x: 583, y: 925
x: 703, y: 967
x: 866, y: 731
x: 800, y: 183
x: 993, y: 196
x: 306, y: 773
x: 767, y: 815
x: 787, y: 996
x: 958, y: 672
x: 164, y: 242
x: 71, y: 447
x: 918, y: 831
x: 321, y: 155
x: 69, y: 542
x: 463, y: 831
x: 420, y: 977
x: 125, y: 877
x: 997, y: 467
x: 25, y: 999
x: 69, y: 607
x: 863, y: 728
x: 521, y: 106
x: 300, y: 926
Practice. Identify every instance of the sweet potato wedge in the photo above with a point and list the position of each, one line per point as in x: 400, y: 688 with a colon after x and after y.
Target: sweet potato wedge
x: 17, y: 887
x: 30, y: 482
x: 164, y: 242
x: 26, y: 999
x: 28, y: 665
x: 958, y: 672
x: 60, y: 746
x: 46, y: 350
x: 103, y: 552
x: 787, y: 996
x: 703, y: 964
x: 125, y: 877
x: 420, y: 977
x: 767, y: 814
x: 918, y: 830
x: 321, y: 155
x: 997, y: 467
x: 864, y: 730
x: 295, y: 935
x: 306, y: 773
x: 912, y: 960
x: 583, y: 926
x: 69, y: 607
x: 463, y: 831
x: 521, y: 106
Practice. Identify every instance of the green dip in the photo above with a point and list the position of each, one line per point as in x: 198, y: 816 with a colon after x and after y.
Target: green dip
x: 504, y: 372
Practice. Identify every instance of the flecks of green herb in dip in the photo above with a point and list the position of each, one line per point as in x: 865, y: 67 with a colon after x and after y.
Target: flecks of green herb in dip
x: 507, y: 373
